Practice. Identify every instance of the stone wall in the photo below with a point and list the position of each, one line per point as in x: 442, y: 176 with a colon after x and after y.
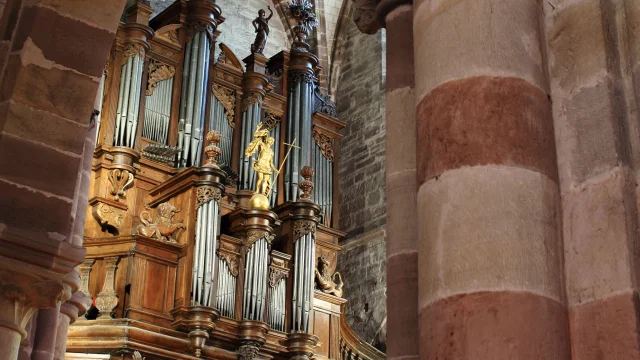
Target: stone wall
x: 360, y: 101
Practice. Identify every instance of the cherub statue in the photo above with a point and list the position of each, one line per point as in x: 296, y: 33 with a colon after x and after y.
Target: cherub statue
x: 326, y: 282
x: 263, y: 165
x: 261, y: 24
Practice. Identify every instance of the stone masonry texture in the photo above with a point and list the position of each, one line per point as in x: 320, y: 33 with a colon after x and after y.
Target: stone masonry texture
x: 360, y: 100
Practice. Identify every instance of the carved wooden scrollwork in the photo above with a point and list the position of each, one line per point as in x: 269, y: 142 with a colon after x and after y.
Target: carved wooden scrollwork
x: 109, y: 218
x: 158, y: 72
x: 205, y: 194
x: 233, y: 262
x: 271, y: 120
x: 227, y: 98
x: 119, y: 182
x: 163, y: 228
x: 325, y: 143
x: 303, y: 227
x: 252, y: 98
x: 132, y: 50
x: 277, y: 274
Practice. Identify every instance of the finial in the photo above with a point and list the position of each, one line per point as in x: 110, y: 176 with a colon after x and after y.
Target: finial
x: 212, y: 150
x: 306, y: 185
x: 304, y: 15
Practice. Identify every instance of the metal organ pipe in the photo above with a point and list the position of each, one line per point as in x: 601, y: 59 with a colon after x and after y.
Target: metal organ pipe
x: 193, y: 99
x: 205, y: 261
x: 218, y: 121
x: 157, y: 112
x: 299, y: 127
x: 256, y: 280
x: 302, y: 301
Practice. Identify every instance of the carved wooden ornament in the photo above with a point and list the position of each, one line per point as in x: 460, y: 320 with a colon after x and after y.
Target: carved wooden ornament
x: 205, y: 194
x: 158, y: 72
x: 163, y: 228
x: 227, y: 98
x: 119, y: 182
x: 303, y: 227
x: 132, y: 50
x: 325, y: 143
x: 255, y: 235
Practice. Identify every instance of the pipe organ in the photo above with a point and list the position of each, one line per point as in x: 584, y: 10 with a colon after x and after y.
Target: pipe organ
x: 195, y: 249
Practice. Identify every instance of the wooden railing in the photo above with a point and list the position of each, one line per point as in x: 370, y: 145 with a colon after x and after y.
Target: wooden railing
x: 352, y: 347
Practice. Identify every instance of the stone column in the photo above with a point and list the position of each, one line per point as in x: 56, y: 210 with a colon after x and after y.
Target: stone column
x: 591, y: 63
x: 490, y: 251
x: 401, y: 188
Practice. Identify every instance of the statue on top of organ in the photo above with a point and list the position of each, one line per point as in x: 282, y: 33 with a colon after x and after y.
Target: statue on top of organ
x: 196, y: 249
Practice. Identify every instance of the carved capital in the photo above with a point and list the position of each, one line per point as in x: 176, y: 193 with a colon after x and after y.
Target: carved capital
x: 251, y: 99
x: 298, y: 76
x: 277, y: 274
x: 255, y: 235
x: 303, y: 227
x: 22, y: 294
x: 119, y: 182
x: 77, y: 305
x: 131, y: 50
x: 227, y: 98
x: 197, y: 26
x: 247, y: 351
x: 158, y: 72
x: 85, y: 269
x: 204, y: 194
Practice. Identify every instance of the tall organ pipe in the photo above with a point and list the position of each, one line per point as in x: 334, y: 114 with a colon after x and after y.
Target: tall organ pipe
x: 193, y: 99
x: 302, y: 300
x: 299, y: 127
x: 255, y: 284
x: 204, y: 259
x: 98, y: 117
x: 157, y: 112
x: 129, y: 101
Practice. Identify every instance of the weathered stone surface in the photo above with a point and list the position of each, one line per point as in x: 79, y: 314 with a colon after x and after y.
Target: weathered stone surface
x: 455, y: 39
x: 61, y: 92
x: 606, y: 329
x: 399, y: 33
x: 360, y: 103
x: 104, y: 14
x: 485, y: 120
x: 402, y: 324
x: 37, y: 166
x: 44, y: 127
x: 70, y: 45
x: 496, y: 326
x: 600, y: 222
x: 489, y: 228
x: 28, y: 209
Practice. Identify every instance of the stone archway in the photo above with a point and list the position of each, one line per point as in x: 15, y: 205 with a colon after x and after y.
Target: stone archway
x: 52, y: 54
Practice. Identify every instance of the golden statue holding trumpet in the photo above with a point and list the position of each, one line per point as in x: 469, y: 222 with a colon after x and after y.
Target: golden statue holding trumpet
x: 263, y: 165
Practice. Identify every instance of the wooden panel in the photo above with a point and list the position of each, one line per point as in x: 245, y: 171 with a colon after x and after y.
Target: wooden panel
x: 154, y: 296
x: 321, y: 330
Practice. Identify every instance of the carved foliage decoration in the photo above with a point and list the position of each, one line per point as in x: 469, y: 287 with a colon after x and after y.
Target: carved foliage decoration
x: 227, y: 98
x: 297, y: 76
x: 255, y: 235
x: 228, y: 57
x: 132, y: 50
x: 119, y: 182
x: 158, y: 72
x: 247, y: 352
x: 277, y: 271
x: 325, y: 143
x: 205, y: 194
x: 169, y: 33
x: 109, y: 217
x: 163, y: 228
x: 252, y: 98
x: 303, y: 227
x: 229, y: 253
x: 271, y: 120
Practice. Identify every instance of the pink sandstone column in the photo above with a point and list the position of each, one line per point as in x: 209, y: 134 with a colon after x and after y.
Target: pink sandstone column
x: 401, y: 189
x: 596, y: 119
x: 490, y: 250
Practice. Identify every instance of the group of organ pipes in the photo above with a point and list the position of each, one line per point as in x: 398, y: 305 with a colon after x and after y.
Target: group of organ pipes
x: 184, y: 259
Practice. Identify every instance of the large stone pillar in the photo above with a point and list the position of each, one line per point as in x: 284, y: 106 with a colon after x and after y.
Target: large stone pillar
x: 593, y: 53
x: 490, y: 251
x: 401, y: 188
